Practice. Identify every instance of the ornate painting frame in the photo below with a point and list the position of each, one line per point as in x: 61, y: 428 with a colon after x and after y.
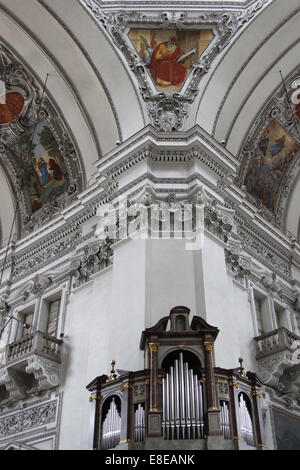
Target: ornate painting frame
x: 277, y: 109
x: 168, y: 110
x: 18, y: 78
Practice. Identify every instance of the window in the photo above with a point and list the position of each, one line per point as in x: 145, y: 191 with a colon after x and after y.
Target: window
x: 27, y: 324
x: 258, y: 310
x: 281, y: 316
x: 53, y: 314
x: 262, y: 313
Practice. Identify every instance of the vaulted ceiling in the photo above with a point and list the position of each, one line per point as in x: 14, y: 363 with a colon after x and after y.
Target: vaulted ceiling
x: 97, y: 96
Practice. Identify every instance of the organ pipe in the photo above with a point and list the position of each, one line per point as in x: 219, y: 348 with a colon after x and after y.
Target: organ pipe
x: 111, y: 428
x: 139, y: 424
x: 183, y: 416
x: 245, y: 422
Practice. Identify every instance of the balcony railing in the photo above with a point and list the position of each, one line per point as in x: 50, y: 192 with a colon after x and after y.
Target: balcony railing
x: 275, y: 341
x: 36, y: 343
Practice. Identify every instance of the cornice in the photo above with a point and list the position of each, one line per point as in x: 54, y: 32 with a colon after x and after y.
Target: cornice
x: 52, y: 244
x: 169, y: 147
x: 175, y: 4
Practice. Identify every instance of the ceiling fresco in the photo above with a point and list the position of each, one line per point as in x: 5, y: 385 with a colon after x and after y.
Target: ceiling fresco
x: 37, y: 154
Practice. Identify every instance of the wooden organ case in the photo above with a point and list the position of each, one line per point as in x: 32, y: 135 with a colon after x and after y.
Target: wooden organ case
x: 180, y: 400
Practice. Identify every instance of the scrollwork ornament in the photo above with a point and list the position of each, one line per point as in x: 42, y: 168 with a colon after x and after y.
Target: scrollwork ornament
x: 18, y: 78
x: 117, y: 25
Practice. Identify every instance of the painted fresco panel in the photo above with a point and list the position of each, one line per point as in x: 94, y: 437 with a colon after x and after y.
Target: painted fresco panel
x: 45, y: 174
x: 12, y: 107
x: 273, y: 154
x: 169, y: 54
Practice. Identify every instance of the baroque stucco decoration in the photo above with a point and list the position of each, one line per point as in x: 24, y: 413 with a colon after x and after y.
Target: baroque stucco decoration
x: 167, y: 110
x: 25, y: 420
x: 18, y: 78
x: 279, y: 110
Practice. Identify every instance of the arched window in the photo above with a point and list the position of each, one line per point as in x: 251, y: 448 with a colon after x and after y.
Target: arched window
x: 183, y: 404
x: 111, y: 422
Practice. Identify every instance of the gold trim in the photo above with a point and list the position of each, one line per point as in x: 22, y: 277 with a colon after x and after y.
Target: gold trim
x: 160, y: 382
x: 237, y: 438
x: 147, y: 381
x: 124, y: 387
x: 257, y: 394
x: 212, y: 408
x: 203, y: 380
x: 125, y: 441
x: 94, y: 397
x: 208, y: 345
x: 180, y: 346
x: 234, y: 384
x: 153, y: 410
x: 153, y: 347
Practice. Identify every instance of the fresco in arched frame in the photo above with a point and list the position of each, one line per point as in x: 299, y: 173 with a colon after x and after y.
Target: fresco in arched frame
x: 170, y: 54
x: 45, y: 173
x: 273, y: 154
x: 11, y: 106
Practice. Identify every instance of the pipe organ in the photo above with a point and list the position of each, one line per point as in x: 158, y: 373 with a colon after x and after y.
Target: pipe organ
x: 183, y: 404
x: 225, y: 419
x: 180, y: 395
x: 111, y: 427
x: 246, y: 421
x: 139, y: 424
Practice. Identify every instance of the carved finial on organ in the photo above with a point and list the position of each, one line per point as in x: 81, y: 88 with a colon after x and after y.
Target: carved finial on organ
x: 112, y: 375
x: 242, y: 370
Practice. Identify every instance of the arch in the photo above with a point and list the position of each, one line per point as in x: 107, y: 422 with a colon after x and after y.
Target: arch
x: 84, y: 86
x: 248, y: 74
x: 190, y: 357
x: 110, y: 422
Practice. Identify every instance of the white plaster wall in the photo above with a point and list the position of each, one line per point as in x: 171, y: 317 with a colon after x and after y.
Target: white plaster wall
x: 85, y: 356
x: 170, y: 280
x: 227, y: 307
x: 104, y: 321
x: 105, y: 318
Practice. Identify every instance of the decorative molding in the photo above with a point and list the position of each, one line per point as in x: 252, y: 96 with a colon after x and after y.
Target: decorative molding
x: 17, y: 77
x: 13, y: 384
x: 45, y: 372
x: 277, y: 109
x: 96, y: 257
x: 168, y: 110
x: 27, y: 419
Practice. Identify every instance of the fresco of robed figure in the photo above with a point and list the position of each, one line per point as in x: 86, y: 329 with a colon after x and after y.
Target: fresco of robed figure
x: 45, y: 173
x: 273, y: 154
x: 169, y: 54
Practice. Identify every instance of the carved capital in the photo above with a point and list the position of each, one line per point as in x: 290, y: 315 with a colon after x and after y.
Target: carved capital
x: 45, y: 372
x: 208, y: 345
x: 13, y: 384
x: 153, y: 347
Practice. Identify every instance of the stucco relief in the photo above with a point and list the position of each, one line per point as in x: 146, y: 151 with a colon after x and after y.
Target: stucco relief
x: 167, y: 67
x: 27, y: 419
x: 270, y: 155
x: 36, y: 151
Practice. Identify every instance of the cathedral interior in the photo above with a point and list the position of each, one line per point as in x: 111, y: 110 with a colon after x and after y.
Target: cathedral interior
x: 149, y: 225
